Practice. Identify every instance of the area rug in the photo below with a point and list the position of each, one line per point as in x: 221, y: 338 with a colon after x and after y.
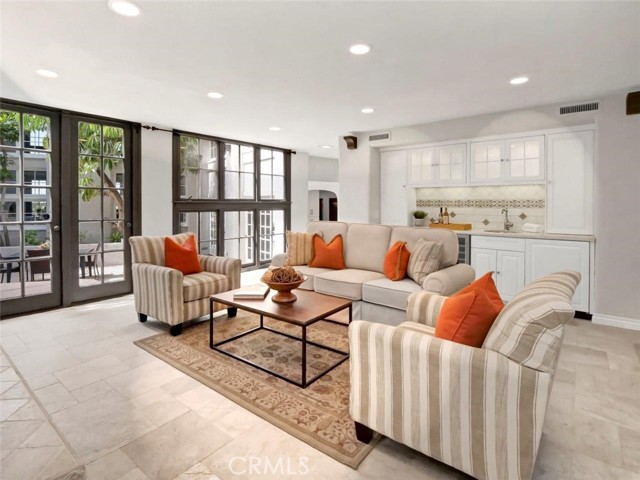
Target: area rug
x: 318, y: 415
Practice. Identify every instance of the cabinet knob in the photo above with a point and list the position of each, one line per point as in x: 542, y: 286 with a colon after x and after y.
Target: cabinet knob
x: 497, y: 273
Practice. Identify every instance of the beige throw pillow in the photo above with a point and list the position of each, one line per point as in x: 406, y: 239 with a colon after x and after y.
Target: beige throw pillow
x: 299, y: 248
x: 424, y: 260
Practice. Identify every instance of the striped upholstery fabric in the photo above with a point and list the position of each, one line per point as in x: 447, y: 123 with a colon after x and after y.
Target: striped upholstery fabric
x: 167, y: 295
x: 480, y: 410
x: 470, y: 408
x: 424, y: 307
x: 299, y: 248
x: 529, y: 328
x: 151, y: 249
x: 203, y: 284
x: 425, y: 259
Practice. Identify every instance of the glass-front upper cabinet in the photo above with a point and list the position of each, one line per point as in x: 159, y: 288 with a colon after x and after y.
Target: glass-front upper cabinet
x: 440, y: 165
x: 511, y: 160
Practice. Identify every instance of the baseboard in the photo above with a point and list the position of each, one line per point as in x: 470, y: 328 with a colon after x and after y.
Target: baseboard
x: 613, y: 321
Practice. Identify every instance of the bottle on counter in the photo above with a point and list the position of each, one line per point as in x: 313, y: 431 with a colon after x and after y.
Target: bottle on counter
x: 440, y: 216
x: 445, y: 217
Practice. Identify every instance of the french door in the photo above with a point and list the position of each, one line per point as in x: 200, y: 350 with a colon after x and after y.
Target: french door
x: 99, y: 219
x: 67, y: 207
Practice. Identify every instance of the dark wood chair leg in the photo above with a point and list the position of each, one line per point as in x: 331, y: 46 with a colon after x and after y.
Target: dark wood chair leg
x: 232, y: 312
x: 175, y: 330
x: 142, y: 317
x: 363, y: 433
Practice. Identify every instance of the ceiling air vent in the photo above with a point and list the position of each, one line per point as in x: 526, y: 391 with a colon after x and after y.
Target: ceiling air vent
x: 380, y: 136
x: 585, y: 107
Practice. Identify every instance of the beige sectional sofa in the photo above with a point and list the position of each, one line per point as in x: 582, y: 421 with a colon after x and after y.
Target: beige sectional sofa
x: 374, y: 296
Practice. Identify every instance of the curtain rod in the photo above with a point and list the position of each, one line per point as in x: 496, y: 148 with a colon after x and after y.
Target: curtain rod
x: 153, y: 129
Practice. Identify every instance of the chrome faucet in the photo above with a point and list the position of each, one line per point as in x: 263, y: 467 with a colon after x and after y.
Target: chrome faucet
x: 507, y: 223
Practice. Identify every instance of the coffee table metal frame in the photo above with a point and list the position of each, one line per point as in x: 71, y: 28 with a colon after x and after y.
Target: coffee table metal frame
x: 305, y: 341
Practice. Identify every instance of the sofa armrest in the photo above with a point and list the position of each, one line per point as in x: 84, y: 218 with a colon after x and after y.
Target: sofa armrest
x: 449, y: 280
x: 471, y: 408
x: 424, y: 307
x: 279, y: 260
x: 231, y: 267
x: 158, y: 292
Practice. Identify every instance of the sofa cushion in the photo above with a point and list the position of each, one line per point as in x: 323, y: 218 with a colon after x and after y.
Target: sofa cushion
x: 182, y: 256
x: 328, y: 255
x: 151, y: 249
x: 425, y: 259
x: 329, y: 230
x: 389, y: 293
x: 299, y: 248
x: 311, y: 273
x: 529, y: 328
x: 396, y: 261
x: 345, y: 283
x: 366, y: 246
x: 411, y: 235
x: 467, y: 317
x: 201, y: 285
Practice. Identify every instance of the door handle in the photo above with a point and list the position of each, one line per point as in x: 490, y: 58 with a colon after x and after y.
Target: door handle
x: 129, y: 224
x: 56, y: 228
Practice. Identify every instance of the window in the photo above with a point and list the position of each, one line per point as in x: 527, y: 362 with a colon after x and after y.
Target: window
x: 233, y: 195
x: 271, y: 174
x: 238, y: 172
x: 198, y: 168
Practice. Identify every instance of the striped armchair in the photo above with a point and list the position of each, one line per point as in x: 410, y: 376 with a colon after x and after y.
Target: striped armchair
x: 171, y: 297
x: 480, y: 410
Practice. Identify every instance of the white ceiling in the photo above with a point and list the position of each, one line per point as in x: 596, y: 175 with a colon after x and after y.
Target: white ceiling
x: 287, y: 63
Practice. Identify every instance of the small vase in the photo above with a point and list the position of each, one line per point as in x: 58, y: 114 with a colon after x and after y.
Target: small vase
x: 419, y: 222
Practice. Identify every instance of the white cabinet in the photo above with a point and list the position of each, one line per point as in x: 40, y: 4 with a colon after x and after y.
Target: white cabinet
x: 549, y: 256
x: 570, y: 182
x: 394, y: 206
x: 509, y: 161
x: 439, y: 165
x: 505, y: 258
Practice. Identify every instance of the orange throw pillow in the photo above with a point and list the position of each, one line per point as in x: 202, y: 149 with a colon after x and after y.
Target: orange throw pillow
x: 327, y: 256
x: 182, y: 257
x: 488, y: 286
x: 396, y: 261
x: 467, y: 317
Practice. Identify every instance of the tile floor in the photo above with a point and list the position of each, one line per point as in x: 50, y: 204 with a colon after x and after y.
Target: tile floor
x: 75, y: 393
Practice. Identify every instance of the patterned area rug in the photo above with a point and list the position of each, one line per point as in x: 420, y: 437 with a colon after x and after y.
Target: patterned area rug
x: 317, y: 415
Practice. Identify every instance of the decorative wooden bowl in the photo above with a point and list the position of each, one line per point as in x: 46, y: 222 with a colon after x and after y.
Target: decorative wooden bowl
x: 284, y: 294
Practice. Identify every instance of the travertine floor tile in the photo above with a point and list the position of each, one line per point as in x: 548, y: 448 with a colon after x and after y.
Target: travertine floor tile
x: 110, y: 467
x: 171, y: 449
x: 91, y: 371
x: 55, y: 398
x: 99, y: 425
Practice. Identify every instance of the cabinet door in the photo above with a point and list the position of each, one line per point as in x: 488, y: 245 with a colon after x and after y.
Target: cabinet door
x: 422, y: 166
x: 393, y: 195
x: 487, y: 159
x: 451, y: 161
x: 510, y: 268
x: 524, y: 160
x: 550, y: 256
x: 570, y: 182
x: 483, y: 260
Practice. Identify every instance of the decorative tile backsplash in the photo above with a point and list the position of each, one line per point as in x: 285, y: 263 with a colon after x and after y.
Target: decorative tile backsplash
x: 482, y: 205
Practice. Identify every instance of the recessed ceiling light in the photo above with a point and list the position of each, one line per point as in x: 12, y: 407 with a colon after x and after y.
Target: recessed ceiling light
x: 215, y: 95
x: 125, y: 8
x: 46, y: 73
x: 367, y: 110
x: 360, y: 49
x: 275, y: 129
x: 327, y: 147
x: 519, y: 80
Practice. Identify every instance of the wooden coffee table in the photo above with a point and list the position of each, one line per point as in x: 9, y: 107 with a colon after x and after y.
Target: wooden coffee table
x: 309, y: 308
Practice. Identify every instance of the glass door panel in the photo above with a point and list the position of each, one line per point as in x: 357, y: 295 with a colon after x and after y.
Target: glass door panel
x: 29, y: 210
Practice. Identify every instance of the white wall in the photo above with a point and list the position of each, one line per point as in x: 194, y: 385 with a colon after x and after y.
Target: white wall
x: 299, y: 191
x: 156, y: 183
x: 323, y: 169
x: 617, y: 180
x: 314, y: 202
